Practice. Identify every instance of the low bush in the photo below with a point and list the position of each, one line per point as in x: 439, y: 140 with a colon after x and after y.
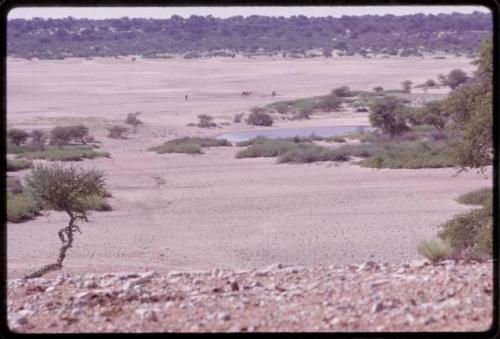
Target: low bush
x: 96, y: 202
x: 14, y: 186
x: 434, y: 250
x: 259, y: 117
x: 18, y: 164
x: 63, y: 135
x: 471, y: 231
x: 20, y: 207
x: 189, y: 145
x: 17, y: 136
x: 238, y: 117
x: 116, y: 132
x: 205, y: 121
x: 264, y: 147
x: 69, y: 153
x: 15, y: 149
x: 480, y: 197
x: 312, y: 153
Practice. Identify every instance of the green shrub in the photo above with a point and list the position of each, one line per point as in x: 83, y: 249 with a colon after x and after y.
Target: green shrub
x: 259, y: 117
x: 479, y: 197
x: 18, y: 164
x: 64, y: 154
x: 189, y: 145
x: 14, y: 186
x: 62, y: 135
x: 312, y: 153
x: 282, y: 108
x: 434, y: 250
x: 471, y: 230
x: 264, y: 147
x: 238, y: 117
x: 96, y: 202
x: 20, y: 207
x: 15, y: 149
x: 17, y: 136
x: 205, y: 121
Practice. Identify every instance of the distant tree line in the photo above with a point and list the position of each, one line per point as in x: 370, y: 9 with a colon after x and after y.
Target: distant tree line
x: 408, y: 35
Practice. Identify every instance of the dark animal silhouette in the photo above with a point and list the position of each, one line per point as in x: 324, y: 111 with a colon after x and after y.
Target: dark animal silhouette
x: 273, y: 93
x: 246, y: 94
x: 186, y: 97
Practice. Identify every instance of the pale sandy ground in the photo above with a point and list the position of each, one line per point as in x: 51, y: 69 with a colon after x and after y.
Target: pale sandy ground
x: 215, y: 210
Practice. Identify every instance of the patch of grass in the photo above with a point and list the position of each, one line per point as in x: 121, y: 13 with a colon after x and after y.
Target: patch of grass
x: 434, y: 250
x: 311, y: 103
x: 312, y: 153
x: 68, y: 153
x: 479, y: 197
x: 264, y: 147
x: 411, y: 155
x: 188, y: 145
x: 20, y: 207
x: 18, y: 164
x: 96, y: 203
x: 15, y: 149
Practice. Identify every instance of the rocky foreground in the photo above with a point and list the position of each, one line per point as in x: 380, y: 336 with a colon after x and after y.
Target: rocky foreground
x: 448, y: 296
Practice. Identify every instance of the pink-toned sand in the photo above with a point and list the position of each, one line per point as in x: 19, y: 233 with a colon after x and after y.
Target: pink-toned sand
x: 178, y: 211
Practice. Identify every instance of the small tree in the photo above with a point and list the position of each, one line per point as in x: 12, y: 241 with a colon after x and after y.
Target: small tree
x: 259, y: 117
x: 407, y: 85
x: 60, y: 135
x: 63, y: 189
x: 431, y: 114
x: 116, y: 132
x: 378, y: 89
x: 343, y: 91
x: 454, y: 79
x: 38, y: 138
x: 17, y: 136
x: 205, y: 121
x: 133, y: 121
x: 389, y: 115
x: 78, y: 133
x: 331, y: 102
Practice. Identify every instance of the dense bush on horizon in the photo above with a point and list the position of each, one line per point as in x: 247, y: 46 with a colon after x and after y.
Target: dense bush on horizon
x: 253, y: 35
x: 17, y: 136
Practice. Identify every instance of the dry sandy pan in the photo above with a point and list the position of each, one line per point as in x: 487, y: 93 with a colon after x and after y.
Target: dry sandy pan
x: 212, y: 209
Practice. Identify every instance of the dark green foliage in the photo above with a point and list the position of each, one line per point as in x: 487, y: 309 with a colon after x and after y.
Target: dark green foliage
x: 189, y: 145
x: 17, y: 165
x: 433, y: 113
x: 263, y: 147
x: 20, y: 207
x: 470, y: 108
x: 259, y: 117
x: 205, y: 121
x: 116, y: 132
x: 312, y: 153
x: 197, y: 35
x: 343, y: 91
x: 378, y: 89
x: 471, y: 231
x: 63, y: 135
x: 407, y: 86
x: 483, y: 196
x: 17, y: 136
x: 238, y: 117
x: 389, y: 115
x: 331, y: 102
x: 67, y: 153
x: 38, y: 138
x: 454, y: 79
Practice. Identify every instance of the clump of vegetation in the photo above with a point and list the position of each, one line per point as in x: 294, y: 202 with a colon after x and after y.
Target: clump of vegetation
x: 189, y: 145
x: 259, y: 117
x: 331, y: 102
x: 470, y: 233
x: 20, y: 207
x: 38, y: 139
x: 434, y: 250
x: 18, y: 165
x: 68, y: 153
x: 454, y: 79
x: 133, y: 121
x: 238, y: 117
x: 407, y: 86
x: 17, y: 136
x: 264, y: 147
x: 389, y: 115
x: 116, y: 132
x: 60, y: 188
x: 206, y: 121
x: 96, y: 202
x: 63, y: 135
x: 480, y: 197
x: 312, y: 153
x: 14, y: 185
